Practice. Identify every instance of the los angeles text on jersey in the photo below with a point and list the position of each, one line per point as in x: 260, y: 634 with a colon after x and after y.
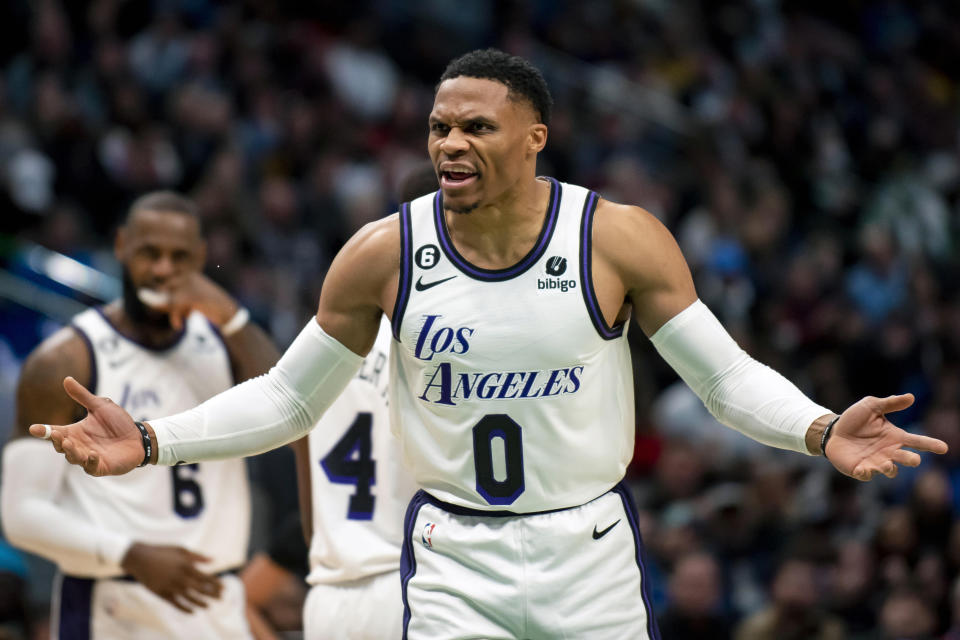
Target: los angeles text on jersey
x: 446, y: 386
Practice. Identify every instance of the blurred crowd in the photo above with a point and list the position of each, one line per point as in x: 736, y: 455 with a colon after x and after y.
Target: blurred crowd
x: 805, y: 155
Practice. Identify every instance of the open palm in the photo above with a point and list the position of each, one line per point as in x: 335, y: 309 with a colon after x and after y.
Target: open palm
x: 104, y: 443
x: 864, y: 442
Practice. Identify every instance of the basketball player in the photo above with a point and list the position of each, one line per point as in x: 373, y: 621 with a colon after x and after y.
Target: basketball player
x: 510, y: 297
x: 359, y: 491
x: 143, y: 556
x: 353, y: 493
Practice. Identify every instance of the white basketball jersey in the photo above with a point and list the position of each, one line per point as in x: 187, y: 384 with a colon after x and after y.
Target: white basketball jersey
x: 509, y: 390
x: 203, y: 507
x: 360, y: 489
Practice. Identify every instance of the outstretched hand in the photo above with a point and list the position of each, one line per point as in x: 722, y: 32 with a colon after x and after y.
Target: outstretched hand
x: 104, y: 443
x: 864, y: 442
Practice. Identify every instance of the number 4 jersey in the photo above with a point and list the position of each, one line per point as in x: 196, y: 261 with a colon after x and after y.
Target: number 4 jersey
x: 359, y: 487
x: 509, y: 390
x: 203, y: 507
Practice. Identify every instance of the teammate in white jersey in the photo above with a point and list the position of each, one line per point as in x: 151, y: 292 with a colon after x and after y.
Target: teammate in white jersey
x: 515, y: 418
x: 145, y: 556
x: 353, y: 492
x: 359, y: 491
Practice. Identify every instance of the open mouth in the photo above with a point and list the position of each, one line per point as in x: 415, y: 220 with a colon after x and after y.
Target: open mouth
x: 453, y: 179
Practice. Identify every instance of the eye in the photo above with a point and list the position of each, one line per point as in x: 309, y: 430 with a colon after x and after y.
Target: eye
x: 438, y: 127
x: 148, y: 252
x: 480, y: 127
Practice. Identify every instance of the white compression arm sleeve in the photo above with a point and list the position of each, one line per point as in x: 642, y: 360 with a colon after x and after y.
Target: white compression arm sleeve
x: 32, y: 519
x: 265, y: 412
x: 739, y: 391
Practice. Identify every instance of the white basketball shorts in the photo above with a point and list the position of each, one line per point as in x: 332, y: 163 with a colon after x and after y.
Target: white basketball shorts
x: 122, y: 609
x: 570, y: 573
x: 367, y: 609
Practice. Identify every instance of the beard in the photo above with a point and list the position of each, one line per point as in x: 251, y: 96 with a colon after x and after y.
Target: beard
x: 137, y: 311
x: 462, y: 209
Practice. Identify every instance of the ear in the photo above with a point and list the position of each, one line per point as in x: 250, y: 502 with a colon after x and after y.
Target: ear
x: 537, y: 138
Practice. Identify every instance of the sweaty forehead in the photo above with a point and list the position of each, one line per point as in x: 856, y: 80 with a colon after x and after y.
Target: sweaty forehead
x: 165, y: 226
x: 463, y: 97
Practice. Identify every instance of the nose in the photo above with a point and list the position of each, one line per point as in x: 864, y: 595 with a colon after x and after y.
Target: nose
x: 163, y: 267
x: 454, y: 143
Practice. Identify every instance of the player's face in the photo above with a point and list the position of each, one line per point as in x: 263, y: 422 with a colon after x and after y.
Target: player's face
x: 481, y: 142
x: 156, y: 248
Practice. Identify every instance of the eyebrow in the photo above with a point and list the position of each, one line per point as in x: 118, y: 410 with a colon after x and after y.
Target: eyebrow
x: 469, y: 121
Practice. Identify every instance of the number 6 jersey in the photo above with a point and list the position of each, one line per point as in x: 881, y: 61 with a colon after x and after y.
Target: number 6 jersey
x: 508, y: 389
x: 203, y: 507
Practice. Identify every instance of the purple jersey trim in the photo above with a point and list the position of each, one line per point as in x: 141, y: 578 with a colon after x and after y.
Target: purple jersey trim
x: 406, y: 258
x: 652, y: 630
x: 92, y: 383
x: 76, y: 596
x: 408, y: 562
x: 499, y: 275
x: 586, y: 272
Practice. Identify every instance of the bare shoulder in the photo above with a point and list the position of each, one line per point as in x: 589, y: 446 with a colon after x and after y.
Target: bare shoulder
x: 643, y: 252
x: 622, y: 229
x: 376, y: 245
x: 634, y: 241
x: 40, y: 394
x: 361, y: 284
x: 368, y: 261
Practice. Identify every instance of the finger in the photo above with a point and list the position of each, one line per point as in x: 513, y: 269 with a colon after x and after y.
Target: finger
x: 42, y: 431
x: 194, y: 600
x: 92, y: 465
x: 906, y: 458
x: 889, y: 469
x: 176, y: 319
x: 197, y: 557
x: 862, y: 473
x: 174, y: 599
x: 896, y: 403
x: 72, y: 452
x: 206, y: 583
x: 211, y: 588
x: 79, y: 393
x: 924, y: 443
x: 57, y: 438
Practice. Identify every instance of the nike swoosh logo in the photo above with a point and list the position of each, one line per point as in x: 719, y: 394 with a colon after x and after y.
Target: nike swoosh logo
x: 423, y: 286
x: 599, y: 534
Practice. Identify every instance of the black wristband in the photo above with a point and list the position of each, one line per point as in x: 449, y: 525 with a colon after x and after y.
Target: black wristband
x: 147, y: 445
x: 826, y: 436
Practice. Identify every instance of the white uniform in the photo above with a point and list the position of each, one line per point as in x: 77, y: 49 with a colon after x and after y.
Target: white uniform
x: 359, y: 491
x: 202, y: 507
x: 513, y: 396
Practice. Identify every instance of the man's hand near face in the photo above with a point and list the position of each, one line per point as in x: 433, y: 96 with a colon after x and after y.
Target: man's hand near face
x: 192, y: 291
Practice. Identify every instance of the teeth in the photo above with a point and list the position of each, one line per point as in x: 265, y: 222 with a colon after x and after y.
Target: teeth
x: 152, y: 297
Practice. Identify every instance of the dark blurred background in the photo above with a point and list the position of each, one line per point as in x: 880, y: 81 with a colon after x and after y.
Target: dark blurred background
x: 805, y: 155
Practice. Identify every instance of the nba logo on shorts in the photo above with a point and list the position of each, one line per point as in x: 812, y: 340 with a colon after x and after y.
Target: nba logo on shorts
x: 427, y: 533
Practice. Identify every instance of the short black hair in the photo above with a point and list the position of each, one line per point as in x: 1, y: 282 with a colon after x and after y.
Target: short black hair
x: 523, y: 80
x: 164, y: 201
